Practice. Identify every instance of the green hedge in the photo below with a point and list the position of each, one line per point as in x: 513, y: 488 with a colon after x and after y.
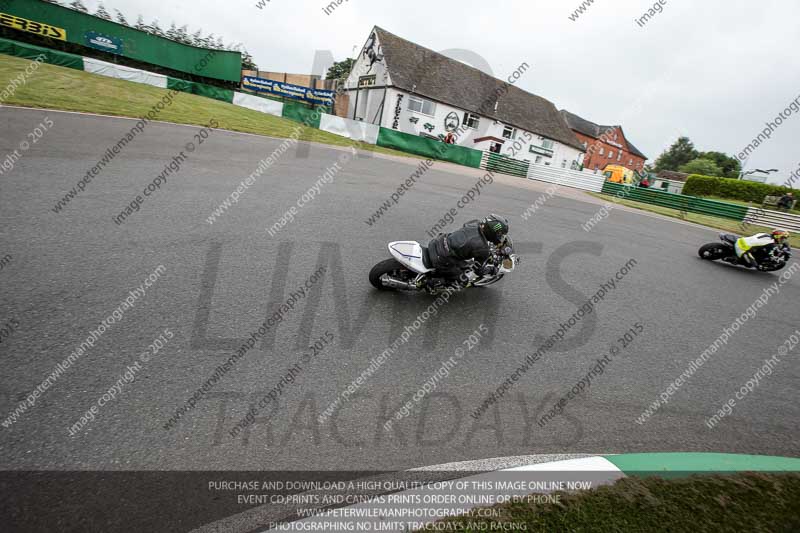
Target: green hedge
x: 747, y: 191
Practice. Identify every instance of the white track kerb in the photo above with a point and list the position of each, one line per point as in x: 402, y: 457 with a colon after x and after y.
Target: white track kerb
x: 408, y: 504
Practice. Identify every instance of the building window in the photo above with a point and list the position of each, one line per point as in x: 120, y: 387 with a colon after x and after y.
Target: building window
x: 426, y: 107
x: 564, y: 164
x: 619, y: 156
x: 509, y: 132
x: 630, y: 161
x: 367, y: 81
x: 602, y: 150
x: 546, y: 148
x: 611, y: 154
x: 538, y: 159
x: 471, y: 120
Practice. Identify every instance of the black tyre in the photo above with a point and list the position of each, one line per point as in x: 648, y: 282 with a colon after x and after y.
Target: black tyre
x: 391, y: 267
x: 773, y: 268
x: 713, y: 251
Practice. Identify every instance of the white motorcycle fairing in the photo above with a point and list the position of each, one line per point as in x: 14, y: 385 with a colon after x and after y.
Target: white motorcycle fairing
x: 409, y: 254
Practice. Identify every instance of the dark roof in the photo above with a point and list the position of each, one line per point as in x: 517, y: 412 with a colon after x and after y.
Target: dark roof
x: 595, y: 131
x: 418, y: 70
x: 674, y: 176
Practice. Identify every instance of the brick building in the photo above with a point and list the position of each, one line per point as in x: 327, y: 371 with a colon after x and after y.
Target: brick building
x: 604, y: 145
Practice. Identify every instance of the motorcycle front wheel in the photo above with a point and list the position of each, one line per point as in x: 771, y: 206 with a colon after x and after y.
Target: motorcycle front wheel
x: 773, y: 267
x: 491, y: 281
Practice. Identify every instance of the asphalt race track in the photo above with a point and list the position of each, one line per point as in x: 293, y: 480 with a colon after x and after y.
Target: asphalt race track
x: 69, y: 270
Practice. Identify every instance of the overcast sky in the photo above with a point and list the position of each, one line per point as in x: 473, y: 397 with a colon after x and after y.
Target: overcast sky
x: 715, y: 70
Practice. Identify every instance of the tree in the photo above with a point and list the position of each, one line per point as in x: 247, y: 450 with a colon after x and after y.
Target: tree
x: 680, y: 153
x: 182, y: 35
x: 140, y: 25
x: 730, y: 166
x: 704, y: 167
x: 248, y: 63
x: 197, y: 39
x: 340, y: 69
x: 77, y: 5
x: 172, y: 32
x: 220, y: 44
x: 155, y: 29
x: 121, y: 18
x: 102, y: 13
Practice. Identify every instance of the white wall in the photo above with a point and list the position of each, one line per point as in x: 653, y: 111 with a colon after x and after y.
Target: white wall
x: 486, y: 127
x: 359, y: 131
x: 256, y: 103
x: 369, y: 99
x: 368, y: 102
x: 104, y: 68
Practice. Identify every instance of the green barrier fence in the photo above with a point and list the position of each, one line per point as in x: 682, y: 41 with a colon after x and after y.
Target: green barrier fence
x: 200, y: 89
x: 682, y: 202
x: 429, y: 148
x: 61, y: 23
x: 301, y: 113
x: 29, y: 51
x: 505, y: 165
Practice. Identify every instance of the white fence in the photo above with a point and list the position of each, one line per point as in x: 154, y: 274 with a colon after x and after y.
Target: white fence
x: 103, y: 68
x: 352, y: 129
x: 256, y: 103
x: 588, y: 181
x: 772, y: 219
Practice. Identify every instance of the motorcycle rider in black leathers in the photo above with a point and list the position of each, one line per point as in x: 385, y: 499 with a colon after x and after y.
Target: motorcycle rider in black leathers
x: 448, y: 253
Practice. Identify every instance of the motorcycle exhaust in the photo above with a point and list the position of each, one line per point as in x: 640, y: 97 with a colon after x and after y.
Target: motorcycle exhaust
x: 397, y: 284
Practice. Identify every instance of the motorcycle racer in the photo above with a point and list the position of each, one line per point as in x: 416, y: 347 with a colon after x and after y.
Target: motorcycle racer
x: 751, y: 250
x: 448, y: 253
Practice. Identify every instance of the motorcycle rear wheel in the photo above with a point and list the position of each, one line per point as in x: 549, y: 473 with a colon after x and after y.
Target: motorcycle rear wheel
x: 712, y: 251
x: 391, y: 267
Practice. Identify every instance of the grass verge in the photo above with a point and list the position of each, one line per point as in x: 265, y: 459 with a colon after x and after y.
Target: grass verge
x: 54, y: 87
x: 754, y: 502
x: 725, y: 224
x: 795, y: 211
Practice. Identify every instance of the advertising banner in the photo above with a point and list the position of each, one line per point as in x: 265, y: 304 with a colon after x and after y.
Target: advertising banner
x: 32, y: 26
x: 287, y: 90
x: 59, y: 22
x: 106, y: 43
